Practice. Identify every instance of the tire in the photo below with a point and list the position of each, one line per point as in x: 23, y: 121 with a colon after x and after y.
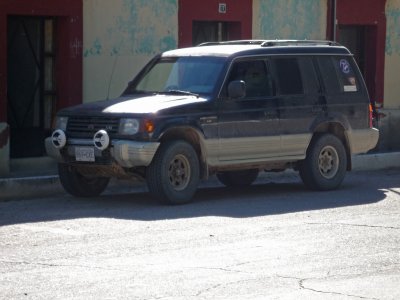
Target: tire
x: 238, y: 178
x: 78, y: 185
x: 325, y: 165
x: 174, y: 174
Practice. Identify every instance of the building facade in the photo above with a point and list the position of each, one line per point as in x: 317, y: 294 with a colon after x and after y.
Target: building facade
x: 60, y: 54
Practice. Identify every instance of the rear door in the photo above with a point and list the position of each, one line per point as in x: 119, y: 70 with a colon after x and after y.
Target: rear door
x: 300, y: 102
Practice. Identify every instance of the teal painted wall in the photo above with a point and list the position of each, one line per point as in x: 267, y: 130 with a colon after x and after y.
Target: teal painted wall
x: 120, y: 36
x: 393, y: 30
x: 289, y: 19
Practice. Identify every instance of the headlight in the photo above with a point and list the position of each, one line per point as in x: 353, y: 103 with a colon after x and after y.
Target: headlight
x: 61, y: 123
x: 129, y: 126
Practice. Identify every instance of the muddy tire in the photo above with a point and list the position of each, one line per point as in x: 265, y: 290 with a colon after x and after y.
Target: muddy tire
x: 78, y: 185
x: 173, y: 175
x: 325, y: 165
x: 238, y: 178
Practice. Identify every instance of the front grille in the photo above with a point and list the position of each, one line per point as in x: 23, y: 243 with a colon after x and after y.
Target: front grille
x: 86, y: 127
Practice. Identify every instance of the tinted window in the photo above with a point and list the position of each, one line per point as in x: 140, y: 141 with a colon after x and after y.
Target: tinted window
x: 256, y: 76
x: 328, y: 74
x: 289, y: 77
x: 347, y: 77
x: 310, y: 79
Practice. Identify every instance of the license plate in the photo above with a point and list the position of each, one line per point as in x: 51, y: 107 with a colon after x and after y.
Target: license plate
x: 84, y: 154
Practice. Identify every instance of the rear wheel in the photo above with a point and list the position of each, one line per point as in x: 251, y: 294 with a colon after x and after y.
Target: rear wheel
x: 325, y: 165
x: 174, y: 174
x: 238, y: 178
x: 78, y: 185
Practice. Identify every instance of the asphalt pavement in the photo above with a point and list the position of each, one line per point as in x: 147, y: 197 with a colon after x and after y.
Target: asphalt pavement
x: 26, y: 184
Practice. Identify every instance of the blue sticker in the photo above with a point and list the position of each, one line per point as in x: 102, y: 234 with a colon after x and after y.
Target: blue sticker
x: 345, y: 66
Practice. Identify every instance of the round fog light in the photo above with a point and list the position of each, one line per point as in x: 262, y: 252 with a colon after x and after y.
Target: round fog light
x: 101, y: 140
x: 59, y: 139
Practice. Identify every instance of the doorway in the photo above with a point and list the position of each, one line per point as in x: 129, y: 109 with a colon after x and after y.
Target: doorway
x: 31, y: 86
x: 361, y: 41
x: 214, y: 31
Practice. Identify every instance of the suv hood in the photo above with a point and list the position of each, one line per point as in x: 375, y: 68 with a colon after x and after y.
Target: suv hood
x: 139, y: 104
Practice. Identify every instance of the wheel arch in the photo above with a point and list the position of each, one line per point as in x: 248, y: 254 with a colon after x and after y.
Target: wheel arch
x: 194, y: 137
x: 338, y: 129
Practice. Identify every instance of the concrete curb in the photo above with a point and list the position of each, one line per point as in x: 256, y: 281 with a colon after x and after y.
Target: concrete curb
x: 41, y: 186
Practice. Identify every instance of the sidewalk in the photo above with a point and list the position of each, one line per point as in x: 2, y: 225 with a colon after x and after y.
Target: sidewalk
x: 25, y: 182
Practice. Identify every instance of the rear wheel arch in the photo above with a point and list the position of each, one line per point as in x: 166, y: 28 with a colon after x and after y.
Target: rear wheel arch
x: 339, y: 130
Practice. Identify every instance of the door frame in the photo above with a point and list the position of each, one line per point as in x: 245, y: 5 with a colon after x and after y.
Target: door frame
x: 69, y: 43
x: 369, y: 13
x: 210, y: 10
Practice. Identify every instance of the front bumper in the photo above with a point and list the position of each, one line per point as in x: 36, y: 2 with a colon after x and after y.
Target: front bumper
x: 125, y: 153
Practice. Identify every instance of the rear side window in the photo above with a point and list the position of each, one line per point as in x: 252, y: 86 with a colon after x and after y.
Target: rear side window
x: 347, y: 77
x: 288, y: 76
x: 338, y: 74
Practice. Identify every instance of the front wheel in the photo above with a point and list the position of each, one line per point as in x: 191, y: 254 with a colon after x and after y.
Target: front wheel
x: 325, y: 165
x: 78, y: 185
x: 174, y: 174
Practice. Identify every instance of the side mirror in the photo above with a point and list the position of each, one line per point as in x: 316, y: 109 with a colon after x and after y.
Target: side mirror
x: 237, y: 89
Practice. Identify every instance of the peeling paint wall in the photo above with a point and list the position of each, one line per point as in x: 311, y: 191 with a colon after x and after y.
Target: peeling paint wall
x: 289, y: 19
x: 392, y: 57
x: 120, y: 36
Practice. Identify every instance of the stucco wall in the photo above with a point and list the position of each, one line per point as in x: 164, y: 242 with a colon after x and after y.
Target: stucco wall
x: 289, y: 19
x: 120, y: 36
x: 392, y: 57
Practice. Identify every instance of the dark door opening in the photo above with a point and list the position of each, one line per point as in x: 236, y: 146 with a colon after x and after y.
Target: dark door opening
x: 31, y: 92
x: 214, y: 31
x: 361, y: 41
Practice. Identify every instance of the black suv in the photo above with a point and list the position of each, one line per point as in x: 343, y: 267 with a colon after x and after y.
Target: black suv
x: 231, y: 109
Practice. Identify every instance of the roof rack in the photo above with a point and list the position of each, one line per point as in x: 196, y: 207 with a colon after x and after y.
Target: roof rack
x: 298, y: 43
x: 271, y: 43
x: 237, y: 42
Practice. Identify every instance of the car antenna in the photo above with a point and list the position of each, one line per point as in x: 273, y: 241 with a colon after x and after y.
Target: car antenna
x: 111, y: 76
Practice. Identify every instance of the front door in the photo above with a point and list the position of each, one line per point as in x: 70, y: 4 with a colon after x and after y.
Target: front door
x: 249, y: 126
x: 30, y: 83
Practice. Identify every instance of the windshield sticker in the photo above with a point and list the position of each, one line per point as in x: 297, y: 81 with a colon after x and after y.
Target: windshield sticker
x: 344, y: 66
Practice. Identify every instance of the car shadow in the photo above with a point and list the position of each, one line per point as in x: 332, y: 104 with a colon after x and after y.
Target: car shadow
x: 266, y: 197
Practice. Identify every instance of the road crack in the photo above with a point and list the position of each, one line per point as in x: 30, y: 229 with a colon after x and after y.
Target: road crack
x: 58, y: 265
x: 303, y: 287
x: 355, y: 225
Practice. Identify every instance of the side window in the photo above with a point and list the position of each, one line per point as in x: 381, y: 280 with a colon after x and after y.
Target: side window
x: 288, y: 76
x: 256, y: 76
x: 328, y: 74
x: 309, y: 75
x: 338, y: 74
x: 347, y: 77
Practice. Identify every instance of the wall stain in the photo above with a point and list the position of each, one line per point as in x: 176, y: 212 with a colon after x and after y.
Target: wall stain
x: 141, y: 27
x: 291, y: 19
x: 95, y: 49
x: 393, y: 32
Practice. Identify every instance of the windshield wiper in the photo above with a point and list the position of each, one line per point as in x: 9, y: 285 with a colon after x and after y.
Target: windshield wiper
x: 180, y: 92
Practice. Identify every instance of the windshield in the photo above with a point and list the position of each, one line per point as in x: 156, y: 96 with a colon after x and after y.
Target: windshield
x: 197, y: 75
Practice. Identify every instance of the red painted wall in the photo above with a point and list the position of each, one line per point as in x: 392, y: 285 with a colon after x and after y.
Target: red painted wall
x: 207, y: 10
x: 366, y: 13
x: 69, y: 37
